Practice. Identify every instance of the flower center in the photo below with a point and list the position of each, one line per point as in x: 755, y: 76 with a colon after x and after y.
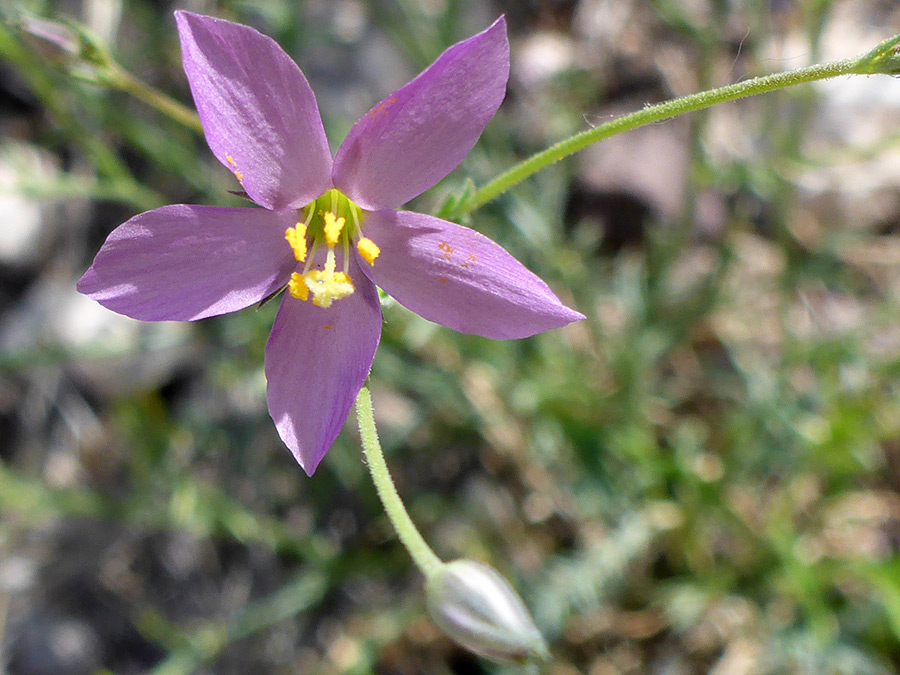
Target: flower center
x: 333, y: 221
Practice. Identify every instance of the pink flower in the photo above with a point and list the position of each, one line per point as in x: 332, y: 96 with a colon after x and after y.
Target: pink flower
x: 328, y: 228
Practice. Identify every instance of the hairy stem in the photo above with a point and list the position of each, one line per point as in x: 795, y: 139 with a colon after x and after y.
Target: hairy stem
x: 651, y: 114
x: 425, y: 559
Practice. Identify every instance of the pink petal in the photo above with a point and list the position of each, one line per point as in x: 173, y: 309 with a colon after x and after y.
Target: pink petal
x: 421, y: 132
x: 259, y: 114
x: 317, y: 360
x: 181, y: 262
x: 459, y: 278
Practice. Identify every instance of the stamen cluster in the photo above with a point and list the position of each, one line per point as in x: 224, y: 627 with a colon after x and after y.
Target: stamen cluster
x: 334, y: 220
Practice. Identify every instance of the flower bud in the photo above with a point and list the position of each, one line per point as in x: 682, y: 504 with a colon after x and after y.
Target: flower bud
x: 68, y: 45
x: 52, y: 39
x: 477, y: 608
x: 885, y: 58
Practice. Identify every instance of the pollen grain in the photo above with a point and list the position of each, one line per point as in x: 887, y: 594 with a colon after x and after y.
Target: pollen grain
x: 234, y: 169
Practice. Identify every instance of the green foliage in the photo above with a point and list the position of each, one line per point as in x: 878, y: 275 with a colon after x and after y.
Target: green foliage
x: 705, y: 473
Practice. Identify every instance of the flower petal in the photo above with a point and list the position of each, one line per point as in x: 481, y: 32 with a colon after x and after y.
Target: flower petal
x: 459, y: 278
x: 259, y: 114
x: 421, y: 132
x: 182, y: 262
x: 317, y: 360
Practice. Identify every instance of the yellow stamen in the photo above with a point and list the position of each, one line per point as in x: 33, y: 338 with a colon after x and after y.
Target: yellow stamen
x: 368, y: 249
x: 296, y: 237
x: 297, y: 287
x: 333, y: 228
x: 329, y: 222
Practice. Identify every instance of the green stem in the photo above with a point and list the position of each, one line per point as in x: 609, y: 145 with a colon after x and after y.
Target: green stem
x: 121, y: 79
x: 655, y: 113
x: 425, y: 559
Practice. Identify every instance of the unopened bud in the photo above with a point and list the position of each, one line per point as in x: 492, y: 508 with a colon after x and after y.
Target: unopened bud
x: 54, y: 40
x: 477, y: 608
x: 67, y: 45
x: 885, y: 58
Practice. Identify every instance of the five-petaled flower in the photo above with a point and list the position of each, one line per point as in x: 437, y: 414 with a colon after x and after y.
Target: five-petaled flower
x: 328, y: 228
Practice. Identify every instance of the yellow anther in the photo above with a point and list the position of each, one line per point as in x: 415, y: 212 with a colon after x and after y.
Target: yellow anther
x: 296, y: 237
x: 297, y: 287
x: 368, y: 249
x: 333, y: 228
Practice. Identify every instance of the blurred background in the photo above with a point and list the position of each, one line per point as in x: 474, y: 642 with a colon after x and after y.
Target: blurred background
x: 703, y: 477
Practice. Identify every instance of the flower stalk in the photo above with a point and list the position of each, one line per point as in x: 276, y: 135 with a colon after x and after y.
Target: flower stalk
x: 469, y: 601
x: 117, y: 77
x: 425, y: 559
x: 883, y: 59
